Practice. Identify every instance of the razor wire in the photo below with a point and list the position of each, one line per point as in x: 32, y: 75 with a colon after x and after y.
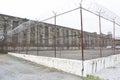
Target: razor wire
x: 101, y: 11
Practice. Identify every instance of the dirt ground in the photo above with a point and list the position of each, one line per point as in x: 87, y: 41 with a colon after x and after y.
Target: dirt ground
x: 12, y: 68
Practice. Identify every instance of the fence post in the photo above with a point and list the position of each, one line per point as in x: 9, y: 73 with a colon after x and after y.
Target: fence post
x: 114, y: 37
x: 26, y: 41
x: 82, y: 45
x: 55, y: 32
x: 37, y: 40
x: 100, y: 38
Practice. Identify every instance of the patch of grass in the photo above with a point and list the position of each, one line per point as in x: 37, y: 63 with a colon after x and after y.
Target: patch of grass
x: 91, y: 77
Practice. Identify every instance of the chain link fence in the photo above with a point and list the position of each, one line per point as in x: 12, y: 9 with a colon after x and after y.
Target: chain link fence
x: 96, y: 34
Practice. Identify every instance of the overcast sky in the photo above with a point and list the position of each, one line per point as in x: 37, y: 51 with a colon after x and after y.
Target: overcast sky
x: 36, y: 8
x: 41, y: 9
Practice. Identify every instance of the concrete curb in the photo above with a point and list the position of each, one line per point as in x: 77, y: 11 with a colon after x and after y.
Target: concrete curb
x: 73, y: 66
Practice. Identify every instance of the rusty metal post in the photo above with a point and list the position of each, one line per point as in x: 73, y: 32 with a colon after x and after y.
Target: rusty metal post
x: 100, y: 38
x: 26, y: 41
x: 114, y: 37
x: 37, y: 39
x: 5, y: 47
x: 55, y: 32
x: 11, y: 43
x: 81, y: 19
x: 19, y: 42
x: 82, y: 45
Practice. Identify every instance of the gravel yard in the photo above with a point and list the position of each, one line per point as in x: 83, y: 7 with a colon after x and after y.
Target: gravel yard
x: 12, y: 68
x: 74, y: 54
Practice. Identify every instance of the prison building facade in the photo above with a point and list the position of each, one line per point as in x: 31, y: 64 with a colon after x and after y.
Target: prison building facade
x: 47, y: 36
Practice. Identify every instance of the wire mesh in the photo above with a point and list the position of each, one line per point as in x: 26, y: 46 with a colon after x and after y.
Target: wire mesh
x: 61, y: 35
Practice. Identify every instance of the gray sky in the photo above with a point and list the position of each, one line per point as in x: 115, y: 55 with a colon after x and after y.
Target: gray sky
x: 41, y: 9
x: 36, y: 8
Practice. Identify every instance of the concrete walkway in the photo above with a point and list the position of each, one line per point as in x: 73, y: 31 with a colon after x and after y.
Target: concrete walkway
x: 111, y: 73
x: 12, y: 68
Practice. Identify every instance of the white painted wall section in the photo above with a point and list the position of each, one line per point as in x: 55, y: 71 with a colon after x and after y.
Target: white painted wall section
x: 95, y: 65
x: 73, y: 66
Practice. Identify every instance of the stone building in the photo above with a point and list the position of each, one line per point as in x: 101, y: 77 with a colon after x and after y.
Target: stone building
x: 117, y: 42
x: 10, y: 21
x: 48, y: 36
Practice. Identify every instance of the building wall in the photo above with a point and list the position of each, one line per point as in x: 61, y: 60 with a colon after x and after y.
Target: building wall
x: 10, y: 21
x: 45, y: 35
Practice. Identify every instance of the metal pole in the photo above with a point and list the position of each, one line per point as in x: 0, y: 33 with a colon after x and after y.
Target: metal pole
x: 114, y: 37
x: 37, y: 40
x: 5, y: 36
x: 55, y: 32
x: 81, y: 19
x: 19, y: 43
x: 82, y: 45
x: 26, y: 41
x: 100, y: 41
